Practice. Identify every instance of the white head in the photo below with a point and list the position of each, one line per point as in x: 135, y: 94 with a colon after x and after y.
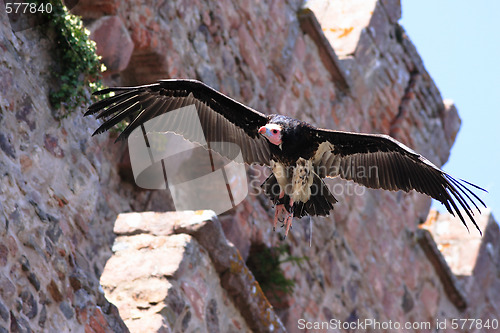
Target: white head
x: 271, y: 132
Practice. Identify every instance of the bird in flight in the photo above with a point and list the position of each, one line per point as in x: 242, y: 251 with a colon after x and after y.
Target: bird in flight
x: 299, y: 154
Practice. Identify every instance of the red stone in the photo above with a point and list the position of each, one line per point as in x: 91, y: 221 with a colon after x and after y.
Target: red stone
x: 250, y: 52
x: 54, y: 291
x: 4, y: 252
x: 7, y: 289
x: 52, y: 145
x: 95, y: 8
x: 113, y: 42
x: 95, y: 326
x: 12, y: 245
x: 429, y: 296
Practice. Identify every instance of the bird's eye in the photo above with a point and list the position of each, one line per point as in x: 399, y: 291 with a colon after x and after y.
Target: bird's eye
x: 275, y: 131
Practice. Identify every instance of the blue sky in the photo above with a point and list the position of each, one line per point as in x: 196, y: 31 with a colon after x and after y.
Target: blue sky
x: 459, y: 42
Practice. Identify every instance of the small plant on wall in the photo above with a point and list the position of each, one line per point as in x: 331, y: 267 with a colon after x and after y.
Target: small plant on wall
x: 76, y: 64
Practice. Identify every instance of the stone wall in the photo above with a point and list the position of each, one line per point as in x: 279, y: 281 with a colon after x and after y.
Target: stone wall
x: 58, y: 200
x: 61, y: 190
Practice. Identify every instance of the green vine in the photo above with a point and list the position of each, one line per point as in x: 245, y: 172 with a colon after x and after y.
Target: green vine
x: 77, y: 64
x: 265, y: 263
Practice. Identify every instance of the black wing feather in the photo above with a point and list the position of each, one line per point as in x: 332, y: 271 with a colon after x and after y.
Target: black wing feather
x: 397, y: 168
x: 222, y: 118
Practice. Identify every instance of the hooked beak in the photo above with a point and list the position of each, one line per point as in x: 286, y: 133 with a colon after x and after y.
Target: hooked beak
x: 262, y: 130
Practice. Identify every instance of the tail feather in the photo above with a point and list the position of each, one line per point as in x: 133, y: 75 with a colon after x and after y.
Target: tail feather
x: 320, y: 203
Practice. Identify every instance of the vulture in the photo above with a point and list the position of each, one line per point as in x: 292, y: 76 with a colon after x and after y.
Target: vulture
x: 299, y: 154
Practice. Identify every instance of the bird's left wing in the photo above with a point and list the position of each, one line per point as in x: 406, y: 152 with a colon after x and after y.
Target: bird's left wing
x: 222, y: 118
x: 379, y: 161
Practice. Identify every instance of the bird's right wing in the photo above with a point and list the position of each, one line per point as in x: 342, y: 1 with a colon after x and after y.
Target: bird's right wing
x: 222, y: 118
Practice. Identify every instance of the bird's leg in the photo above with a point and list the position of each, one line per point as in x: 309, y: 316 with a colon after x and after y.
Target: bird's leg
x: 280, y: 208
x: 289, y: 218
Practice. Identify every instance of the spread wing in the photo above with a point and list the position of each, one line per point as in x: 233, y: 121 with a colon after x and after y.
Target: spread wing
x: 379, y: 161
x: 222, y: 118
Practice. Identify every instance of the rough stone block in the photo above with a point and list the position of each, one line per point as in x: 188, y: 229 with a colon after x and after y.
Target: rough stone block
x: 169, y: 264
